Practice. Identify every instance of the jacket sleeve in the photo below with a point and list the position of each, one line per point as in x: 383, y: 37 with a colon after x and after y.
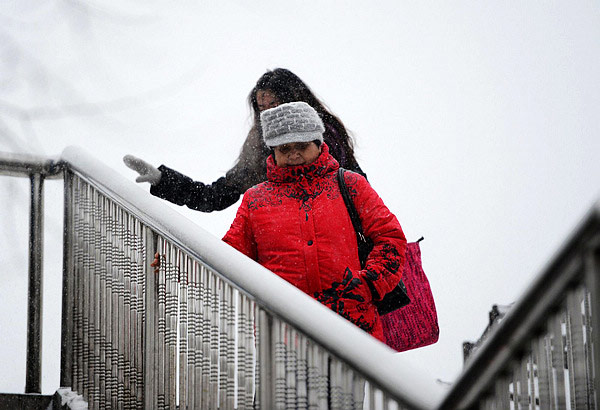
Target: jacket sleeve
x: 385, y: 263
x: 182, y: 190
x: 240, y: 234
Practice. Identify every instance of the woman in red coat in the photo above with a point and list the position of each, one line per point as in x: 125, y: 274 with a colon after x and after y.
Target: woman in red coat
x: 296, y: 223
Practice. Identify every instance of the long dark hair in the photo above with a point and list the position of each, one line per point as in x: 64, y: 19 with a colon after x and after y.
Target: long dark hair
x: 287, y: 87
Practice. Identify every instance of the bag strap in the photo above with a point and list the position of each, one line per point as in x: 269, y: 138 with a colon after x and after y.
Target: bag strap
x: 397, y: 297
x: 360, y: 236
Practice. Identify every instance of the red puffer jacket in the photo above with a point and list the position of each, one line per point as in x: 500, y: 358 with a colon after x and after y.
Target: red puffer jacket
x: 296, y: 225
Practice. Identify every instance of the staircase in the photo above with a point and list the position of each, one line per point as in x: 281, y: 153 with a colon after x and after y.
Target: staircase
x: 159, y: 314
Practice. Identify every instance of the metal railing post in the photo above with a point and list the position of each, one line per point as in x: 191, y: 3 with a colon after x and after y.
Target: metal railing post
x: 33, y: 374
x: 150, y: 345
x: 265, y: 361
x: 66, y: 352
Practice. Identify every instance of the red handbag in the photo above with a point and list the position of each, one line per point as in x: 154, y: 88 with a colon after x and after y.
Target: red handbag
x: 416, y: 324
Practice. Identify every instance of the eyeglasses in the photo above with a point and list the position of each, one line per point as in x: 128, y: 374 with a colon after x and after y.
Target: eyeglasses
x: 294, y: 146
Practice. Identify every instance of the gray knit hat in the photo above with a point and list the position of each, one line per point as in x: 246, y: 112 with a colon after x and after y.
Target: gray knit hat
x: 291, y: 122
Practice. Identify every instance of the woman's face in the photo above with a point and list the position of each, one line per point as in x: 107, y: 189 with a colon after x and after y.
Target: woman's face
x: 296, y: 153
x: 265, y: 99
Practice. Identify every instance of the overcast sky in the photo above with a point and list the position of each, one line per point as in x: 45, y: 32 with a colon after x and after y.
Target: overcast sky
x: 477, y: 123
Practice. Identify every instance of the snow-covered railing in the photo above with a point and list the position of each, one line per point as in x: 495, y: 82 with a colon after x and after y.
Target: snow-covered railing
x: 159, y: 313
x: 544, y: 353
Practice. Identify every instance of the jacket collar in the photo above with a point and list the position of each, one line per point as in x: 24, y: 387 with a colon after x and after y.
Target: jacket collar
x: 324, y: 164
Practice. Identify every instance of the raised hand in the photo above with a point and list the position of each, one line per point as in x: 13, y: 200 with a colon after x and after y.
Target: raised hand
x: 148, y: 172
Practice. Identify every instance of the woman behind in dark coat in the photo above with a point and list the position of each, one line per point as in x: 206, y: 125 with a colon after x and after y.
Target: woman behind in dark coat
x: 273, y: 88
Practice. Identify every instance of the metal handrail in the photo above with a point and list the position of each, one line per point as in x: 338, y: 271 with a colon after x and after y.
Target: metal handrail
x: 397, y: 380
x: 575, y: 266
x: 508, y: 366
x: 24, y: 165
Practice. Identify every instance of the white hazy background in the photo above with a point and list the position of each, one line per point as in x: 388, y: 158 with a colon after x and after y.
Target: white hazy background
x: 477, y: 123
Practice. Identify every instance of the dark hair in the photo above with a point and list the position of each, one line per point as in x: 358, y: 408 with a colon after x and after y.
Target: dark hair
x: 287, y: 87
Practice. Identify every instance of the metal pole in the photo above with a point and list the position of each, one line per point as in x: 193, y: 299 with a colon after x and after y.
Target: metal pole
x: 33, y: 375
x: 66, y: 352
x: 265, y: 364
x: 592, y: 267
x: 150, y: 345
